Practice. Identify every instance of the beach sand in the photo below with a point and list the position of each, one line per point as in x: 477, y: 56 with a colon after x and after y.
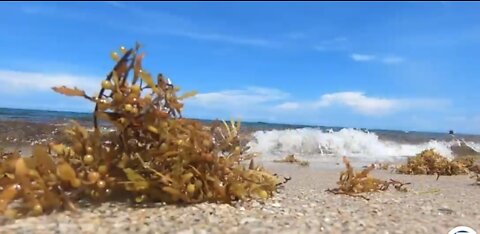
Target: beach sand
x: 301, y: 206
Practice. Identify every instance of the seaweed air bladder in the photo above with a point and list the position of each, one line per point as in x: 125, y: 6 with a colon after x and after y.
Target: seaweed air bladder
x: 154, y: 154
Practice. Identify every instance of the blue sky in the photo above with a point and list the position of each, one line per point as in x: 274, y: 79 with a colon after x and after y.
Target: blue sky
x: 399, y: 65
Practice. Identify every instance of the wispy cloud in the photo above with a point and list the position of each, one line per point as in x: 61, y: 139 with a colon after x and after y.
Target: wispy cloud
x: 358, y: 102
x: 372, y: 106
x: 117, y: 4
x: 227, y: 38
x: 362, y: 57
x: 334, y: 44
x: 165, y: 23
x: 18, y: 82
x: 252, y: 103
x: 390, y: 60
x: 288, y: 106
x: 142, y: 20
x: 257, y: 100
x: 466, y: 122
x: 54, y: 11
x: 296, y: 35
x: 232, y: 99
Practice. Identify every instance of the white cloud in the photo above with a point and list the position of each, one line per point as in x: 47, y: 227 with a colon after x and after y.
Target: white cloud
x: 377, y: 106
x: 229, y: 99
x: 358, y: 102
x: 18, y: 82
x: 362, y: 57
x: 392, y: 60
x: 288, y: 106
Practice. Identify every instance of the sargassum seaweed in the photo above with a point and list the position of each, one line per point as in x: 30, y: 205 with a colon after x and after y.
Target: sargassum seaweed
x: 292, y: 159
x: 353, y: 183
x: 153, y: 154
x: 429, y: 162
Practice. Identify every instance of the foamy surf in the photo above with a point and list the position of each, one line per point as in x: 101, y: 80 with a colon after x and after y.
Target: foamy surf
x: 316, y: 144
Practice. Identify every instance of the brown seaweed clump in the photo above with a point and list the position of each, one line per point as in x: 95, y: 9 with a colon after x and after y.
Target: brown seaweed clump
x: 430, y: 163
x: 291, y: 159
x: 352, y: 183
x: 154, y: 155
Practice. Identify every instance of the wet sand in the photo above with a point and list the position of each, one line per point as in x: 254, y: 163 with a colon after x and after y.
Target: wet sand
x: 301, y: 206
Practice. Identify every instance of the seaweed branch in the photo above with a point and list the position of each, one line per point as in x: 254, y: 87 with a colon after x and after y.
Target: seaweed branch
x: 291, y: 159
x: 352, y: 184
x: 117, y: 66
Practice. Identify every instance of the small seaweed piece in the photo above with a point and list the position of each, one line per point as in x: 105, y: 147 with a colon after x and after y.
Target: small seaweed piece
x: 352, y: 183
x: 337, y: 191
x: 431, y: 163
x: 291, y: 159
x: 430, y: 191
x: 382, y: 166
x: 399, y: 186
x: 475, y: 173
x: 304, y: 163
x: 477, y: 178
x: 475, y: 168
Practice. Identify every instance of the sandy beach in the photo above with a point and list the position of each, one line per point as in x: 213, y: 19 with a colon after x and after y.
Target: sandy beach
x: 301, y: 206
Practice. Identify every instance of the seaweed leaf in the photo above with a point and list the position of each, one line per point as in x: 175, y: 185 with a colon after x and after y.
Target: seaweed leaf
x: 147, y: 78
x: 139, y: 183
x: 69, y: 91
x: 291, y: 159
x: 187, y: 95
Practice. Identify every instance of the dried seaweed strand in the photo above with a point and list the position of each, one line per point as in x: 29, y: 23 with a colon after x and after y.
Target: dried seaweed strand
x: 352, y: 183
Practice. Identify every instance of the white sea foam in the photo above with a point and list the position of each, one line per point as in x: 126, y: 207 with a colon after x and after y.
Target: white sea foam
x: 474, y: 145
x: 317, y: 144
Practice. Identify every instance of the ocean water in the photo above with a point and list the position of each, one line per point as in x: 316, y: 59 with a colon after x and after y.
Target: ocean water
x: 41, y: 116
x: 315, y: 143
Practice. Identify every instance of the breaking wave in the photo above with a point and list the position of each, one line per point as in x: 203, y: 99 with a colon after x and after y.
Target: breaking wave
x: 312, y: 143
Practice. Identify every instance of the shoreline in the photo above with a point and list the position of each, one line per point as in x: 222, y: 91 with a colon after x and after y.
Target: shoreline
x: 301, y: 206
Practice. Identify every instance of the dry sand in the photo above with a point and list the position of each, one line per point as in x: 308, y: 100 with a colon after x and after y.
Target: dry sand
x: 302, y: 206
